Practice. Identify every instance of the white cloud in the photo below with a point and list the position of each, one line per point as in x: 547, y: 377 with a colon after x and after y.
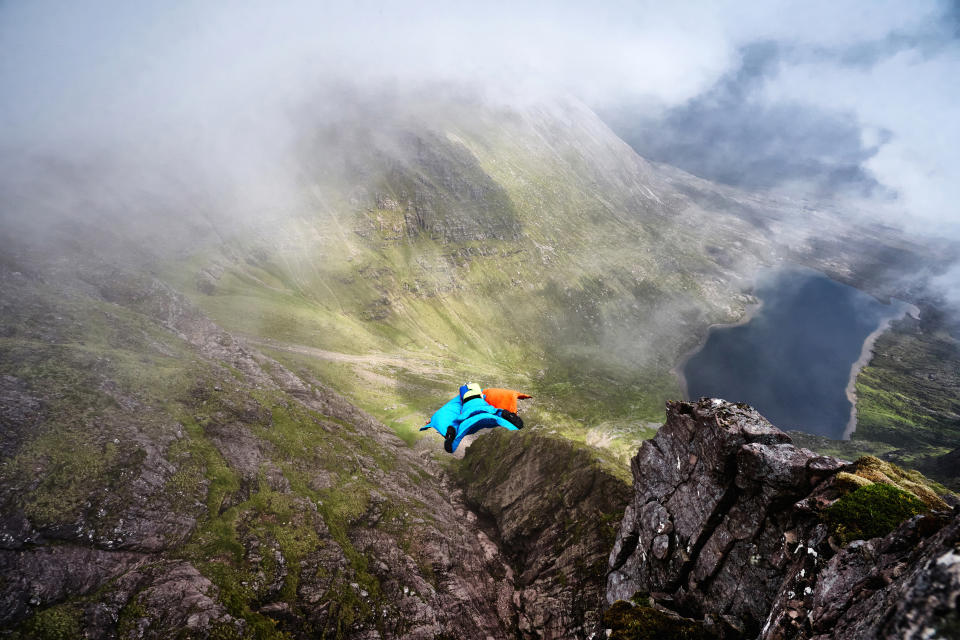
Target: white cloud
x: 210, y: 82
x: 913, y: 96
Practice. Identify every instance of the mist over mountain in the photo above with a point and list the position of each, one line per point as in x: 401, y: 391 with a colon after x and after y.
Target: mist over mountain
x: 818, y: 98
x: 246, y: 252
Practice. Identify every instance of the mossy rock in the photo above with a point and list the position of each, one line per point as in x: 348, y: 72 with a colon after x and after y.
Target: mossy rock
x: 872, y: 511
x: 876, y: 470
x: 847, y: 482
x: 640, y: 622
x: 60, y: 622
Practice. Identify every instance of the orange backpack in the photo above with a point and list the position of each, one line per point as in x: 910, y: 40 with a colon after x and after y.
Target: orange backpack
x: 505, y: 399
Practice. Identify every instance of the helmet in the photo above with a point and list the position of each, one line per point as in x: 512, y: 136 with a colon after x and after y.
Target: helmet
x: 470, y: 391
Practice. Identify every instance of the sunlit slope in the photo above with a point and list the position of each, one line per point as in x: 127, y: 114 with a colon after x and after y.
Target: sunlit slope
x: 529, y: 247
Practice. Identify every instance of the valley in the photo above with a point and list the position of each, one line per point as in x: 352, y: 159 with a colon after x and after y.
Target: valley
x: 528, y: 248
x: 227, y: 409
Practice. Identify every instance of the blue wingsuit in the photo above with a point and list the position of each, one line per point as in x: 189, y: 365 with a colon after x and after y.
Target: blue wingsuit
x: 466, y: 417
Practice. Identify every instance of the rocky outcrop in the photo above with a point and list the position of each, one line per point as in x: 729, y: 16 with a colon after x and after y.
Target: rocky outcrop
x: 158, y: 476
x: 725, y: 527
x: 552, y: 508
x: 905, y: 585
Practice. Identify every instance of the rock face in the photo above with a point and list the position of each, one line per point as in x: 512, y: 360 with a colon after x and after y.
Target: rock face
x: 724, y: 528
x: 158, y: 476
x: 553, y: 509
x: 904, y: 585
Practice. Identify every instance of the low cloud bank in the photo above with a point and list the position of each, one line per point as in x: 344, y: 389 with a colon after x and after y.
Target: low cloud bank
x: 852, y: 101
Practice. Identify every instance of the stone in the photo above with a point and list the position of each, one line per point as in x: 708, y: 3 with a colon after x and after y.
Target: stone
x: 748, y: 547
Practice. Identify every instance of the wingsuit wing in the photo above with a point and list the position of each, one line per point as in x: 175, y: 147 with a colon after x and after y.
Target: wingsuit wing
x: 475, y: 415
x: 445, y: 416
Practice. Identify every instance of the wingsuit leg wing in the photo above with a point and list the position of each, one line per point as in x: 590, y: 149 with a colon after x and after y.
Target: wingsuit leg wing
x: 478, y: 414
x: 505, y: 399
x: 446, y: 416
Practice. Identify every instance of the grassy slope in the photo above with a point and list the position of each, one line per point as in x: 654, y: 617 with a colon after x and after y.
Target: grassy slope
x: 918, y: 359
x: 112, y: 382
x: 530, y: 249
x: 907, y: 399
x: 586, y: 301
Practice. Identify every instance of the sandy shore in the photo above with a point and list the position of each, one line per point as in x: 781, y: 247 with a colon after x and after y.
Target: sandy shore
x: 866, y: 354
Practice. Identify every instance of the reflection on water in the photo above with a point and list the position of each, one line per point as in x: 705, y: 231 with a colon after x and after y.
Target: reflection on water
x: 792, y: 360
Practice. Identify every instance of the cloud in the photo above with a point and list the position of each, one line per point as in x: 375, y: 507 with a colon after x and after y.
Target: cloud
x: 862, y: 110
x: 732, y: 135
x: 853, y: 97
x: 912, y: 97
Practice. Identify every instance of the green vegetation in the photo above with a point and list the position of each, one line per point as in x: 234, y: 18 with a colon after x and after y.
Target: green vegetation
x: 908, y: 398
x: 908, y: 401
x: 91, y: 362
x: 499, y: 253
x: 245, y: 548
x: 635, y: 621
x: 871, y: 511
x: 873, y: 469
x: 60, y: 622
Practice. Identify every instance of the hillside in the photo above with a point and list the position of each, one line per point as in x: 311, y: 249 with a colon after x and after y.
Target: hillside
x: 523, y: 246
x: 201, y: 411
x: 161, y: 477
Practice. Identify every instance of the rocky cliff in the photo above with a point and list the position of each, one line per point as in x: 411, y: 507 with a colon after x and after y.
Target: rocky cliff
x: 734, y: 526
x: 160, y: 477
x: 553, y: 509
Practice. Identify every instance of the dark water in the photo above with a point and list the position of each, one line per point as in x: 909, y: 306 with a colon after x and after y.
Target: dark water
x: 792, y: 360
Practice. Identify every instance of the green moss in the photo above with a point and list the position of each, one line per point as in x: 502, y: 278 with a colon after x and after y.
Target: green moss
x: 129, y: 618
x: 914, y: 482
x: 218, y: 553
x: 871, y: 511
x: 70, y: 469
x: 230, y: 631
x: 199, y: 464
x: 640, y: 622
x: 60, y: 622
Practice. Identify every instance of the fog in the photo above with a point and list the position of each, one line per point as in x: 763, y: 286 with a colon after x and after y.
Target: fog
x: 197, y: 105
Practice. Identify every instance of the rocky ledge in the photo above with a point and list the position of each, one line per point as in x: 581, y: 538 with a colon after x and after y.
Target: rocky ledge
x: 731, y: 526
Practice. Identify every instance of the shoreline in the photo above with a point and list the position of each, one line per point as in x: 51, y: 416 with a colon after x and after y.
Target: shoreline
x: 866, y: 355
x: 749, y: 311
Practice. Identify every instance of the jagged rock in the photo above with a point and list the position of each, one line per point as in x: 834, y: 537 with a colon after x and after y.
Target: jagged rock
x: 552, y: 508
x: 178, y: 597
x: 904, y: 585
x: 724, y: 527
x: 37, y: 578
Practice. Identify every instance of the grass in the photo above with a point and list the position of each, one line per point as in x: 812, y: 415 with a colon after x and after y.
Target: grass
x: 303, y: 441
x: 95, y: 363
x: 871, y: 511
x: 909, y: 395
x: 59, y: 622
